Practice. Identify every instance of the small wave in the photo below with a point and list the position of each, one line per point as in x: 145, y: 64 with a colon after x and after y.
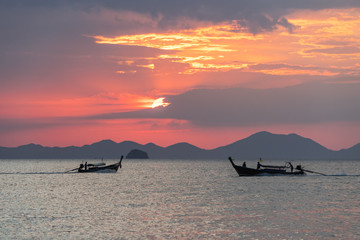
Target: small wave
x: 344, y: 175
x: 29, y: 173
x: 49, y: 173
x: 311, y: 174
x: 335, y: 175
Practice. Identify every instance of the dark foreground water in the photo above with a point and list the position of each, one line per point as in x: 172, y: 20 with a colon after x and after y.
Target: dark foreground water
x: 156, y: 199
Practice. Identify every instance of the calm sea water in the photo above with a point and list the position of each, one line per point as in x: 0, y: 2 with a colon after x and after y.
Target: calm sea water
x: 158, y: 199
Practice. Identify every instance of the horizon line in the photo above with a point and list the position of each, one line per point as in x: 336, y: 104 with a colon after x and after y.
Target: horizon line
x: 89, y: 144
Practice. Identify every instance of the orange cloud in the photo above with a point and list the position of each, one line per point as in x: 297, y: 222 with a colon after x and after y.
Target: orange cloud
x: 224, y: 48
x: 329, y: 34
x: 201, y: 48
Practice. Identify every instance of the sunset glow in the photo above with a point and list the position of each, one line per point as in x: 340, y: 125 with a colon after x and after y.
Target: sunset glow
x: 221, y: 48
x: 159, y: 103
x: 113, y: 71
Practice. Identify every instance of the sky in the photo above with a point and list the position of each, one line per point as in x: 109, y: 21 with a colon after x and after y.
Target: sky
x: 206, y: 72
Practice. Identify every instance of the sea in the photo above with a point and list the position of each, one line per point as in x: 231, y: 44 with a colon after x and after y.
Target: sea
x: 177, y: 199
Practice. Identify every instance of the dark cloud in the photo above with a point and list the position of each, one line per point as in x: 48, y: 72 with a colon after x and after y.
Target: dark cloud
x: 335, y: 50
x: 279, y: 66
x: 236, y: 107
x: 256, y: 15
x: 308, y: 103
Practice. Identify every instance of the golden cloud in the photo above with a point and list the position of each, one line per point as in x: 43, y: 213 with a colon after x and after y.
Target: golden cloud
x: 324, y: 39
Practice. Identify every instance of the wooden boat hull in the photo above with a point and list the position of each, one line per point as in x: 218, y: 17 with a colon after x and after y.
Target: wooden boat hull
x: 109, y: 168
x: 245, y: 171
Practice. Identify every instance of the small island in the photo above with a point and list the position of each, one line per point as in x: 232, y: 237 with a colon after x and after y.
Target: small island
x: 137, y: 154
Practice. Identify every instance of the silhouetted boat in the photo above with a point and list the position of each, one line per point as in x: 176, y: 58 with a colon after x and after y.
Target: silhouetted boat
x: 266, y: 169
x: 100, y: 167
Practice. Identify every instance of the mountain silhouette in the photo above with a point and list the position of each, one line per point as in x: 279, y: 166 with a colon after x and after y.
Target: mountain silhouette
x: 262, y: 144
x: 276, y: 146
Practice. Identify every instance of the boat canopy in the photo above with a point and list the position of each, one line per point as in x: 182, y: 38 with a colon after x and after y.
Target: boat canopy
x: 271, y: 166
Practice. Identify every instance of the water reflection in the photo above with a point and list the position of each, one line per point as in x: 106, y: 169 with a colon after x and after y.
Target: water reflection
x: 167, y: 199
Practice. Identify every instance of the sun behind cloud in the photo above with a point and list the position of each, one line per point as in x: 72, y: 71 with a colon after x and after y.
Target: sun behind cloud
x: 160, y: 103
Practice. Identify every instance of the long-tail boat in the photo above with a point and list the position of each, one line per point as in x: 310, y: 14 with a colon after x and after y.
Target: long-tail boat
x: 99, y: 167
x: 287, y: 169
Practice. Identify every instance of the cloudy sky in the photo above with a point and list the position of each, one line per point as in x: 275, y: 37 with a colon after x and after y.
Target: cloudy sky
x: 206, y: 72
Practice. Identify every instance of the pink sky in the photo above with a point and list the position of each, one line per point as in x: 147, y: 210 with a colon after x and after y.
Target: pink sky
x: 75, y: 73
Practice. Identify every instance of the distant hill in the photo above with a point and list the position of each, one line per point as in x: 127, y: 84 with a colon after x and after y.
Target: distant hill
x: 137, y: 154
x: 276, y: 146
x: 263, y: 144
